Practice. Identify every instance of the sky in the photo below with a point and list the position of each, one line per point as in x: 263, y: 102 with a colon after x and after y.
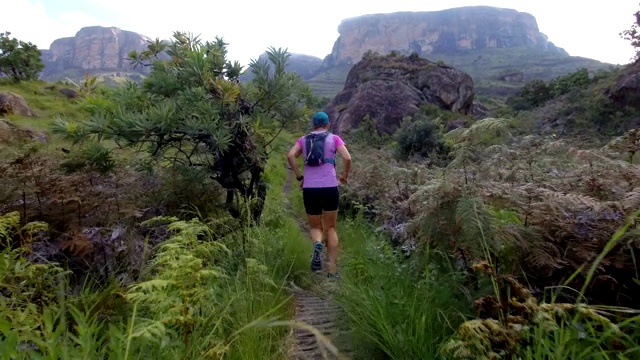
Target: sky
x: 589, y: 29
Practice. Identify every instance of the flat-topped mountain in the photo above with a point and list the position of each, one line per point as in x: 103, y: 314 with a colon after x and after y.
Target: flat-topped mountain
x: 438, y: 32
x: 94, y: 49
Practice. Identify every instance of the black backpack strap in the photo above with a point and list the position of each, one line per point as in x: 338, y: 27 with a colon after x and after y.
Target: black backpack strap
x: 308, y: 142
x: 330, y: 160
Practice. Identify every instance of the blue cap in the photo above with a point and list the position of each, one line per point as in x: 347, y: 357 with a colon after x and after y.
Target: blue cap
x: 320, y: 119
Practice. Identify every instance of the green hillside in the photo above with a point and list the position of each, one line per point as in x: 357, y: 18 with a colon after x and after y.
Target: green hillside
x: 329, y: 82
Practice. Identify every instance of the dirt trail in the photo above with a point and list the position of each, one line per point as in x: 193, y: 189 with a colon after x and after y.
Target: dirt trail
x: 316, y: 309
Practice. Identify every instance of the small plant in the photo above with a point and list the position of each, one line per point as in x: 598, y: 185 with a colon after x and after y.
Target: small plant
x: 366, y: 134
x: 185, y: 270
x: 628, y: 144
x: 467, y: 140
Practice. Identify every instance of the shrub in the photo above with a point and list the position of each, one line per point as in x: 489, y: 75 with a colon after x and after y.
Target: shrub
x: 419, y: 136
x: 367, y: 135
x: 532, y: 94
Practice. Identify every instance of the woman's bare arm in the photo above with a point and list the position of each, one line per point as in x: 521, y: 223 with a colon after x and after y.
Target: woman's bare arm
x: 346, y: 157
x: 295, y: 151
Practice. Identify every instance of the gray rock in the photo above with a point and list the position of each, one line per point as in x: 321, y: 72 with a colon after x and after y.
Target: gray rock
x: 389, y: 88
x: 14, y: 104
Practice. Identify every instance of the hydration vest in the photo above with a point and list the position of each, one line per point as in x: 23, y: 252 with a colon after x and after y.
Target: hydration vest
x: 314, y: 145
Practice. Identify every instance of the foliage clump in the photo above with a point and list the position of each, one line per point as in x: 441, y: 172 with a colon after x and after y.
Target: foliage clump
x: 19, y: 60
x: 419, y: 136
x: 367, y: 135
x: 203, y: 288
x: 537, y: 92
x: 514, y: 324
x: 536, y: 205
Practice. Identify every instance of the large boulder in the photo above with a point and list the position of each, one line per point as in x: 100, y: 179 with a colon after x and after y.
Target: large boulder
x: 11, y: 103
x: 10, y: 132
x: 389, y: 88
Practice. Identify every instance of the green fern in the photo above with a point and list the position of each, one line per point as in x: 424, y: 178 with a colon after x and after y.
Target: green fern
x: 185, y: 272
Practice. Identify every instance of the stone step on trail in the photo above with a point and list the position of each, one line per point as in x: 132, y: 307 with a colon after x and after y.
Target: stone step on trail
x: 321, y: 314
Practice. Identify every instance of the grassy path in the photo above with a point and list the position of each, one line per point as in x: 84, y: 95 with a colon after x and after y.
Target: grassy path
x: 313, y: 308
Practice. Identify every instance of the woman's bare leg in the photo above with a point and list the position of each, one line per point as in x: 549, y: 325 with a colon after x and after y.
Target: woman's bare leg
x: 315, y: 224
x: 330, y: 223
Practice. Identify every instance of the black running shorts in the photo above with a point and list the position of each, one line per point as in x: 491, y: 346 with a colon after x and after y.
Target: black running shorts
x: 317, y: 200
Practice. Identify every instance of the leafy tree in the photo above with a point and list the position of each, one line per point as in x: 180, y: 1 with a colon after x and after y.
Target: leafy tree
x: 192, y: 111
x: 633, y: 35
x: 532, y: 94
x: 19, y: 60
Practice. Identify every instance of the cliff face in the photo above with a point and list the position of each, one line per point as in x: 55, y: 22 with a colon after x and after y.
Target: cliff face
x: 437, y: 32
x: 92, y: 49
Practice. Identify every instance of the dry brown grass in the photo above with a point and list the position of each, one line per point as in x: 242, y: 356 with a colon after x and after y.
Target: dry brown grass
x: 546, y: 208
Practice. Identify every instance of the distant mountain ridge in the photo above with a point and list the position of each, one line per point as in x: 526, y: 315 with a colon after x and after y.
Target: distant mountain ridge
x: 500, y: 48
x: 307, y: 66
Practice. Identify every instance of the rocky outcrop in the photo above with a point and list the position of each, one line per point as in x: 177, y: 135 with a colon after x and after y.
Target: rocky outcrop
x: 446, y: 31
x: 10, y: 132
x: 92, y: 49
x: 14, y: 104
x: 388, y: 88
x: 626, y: 90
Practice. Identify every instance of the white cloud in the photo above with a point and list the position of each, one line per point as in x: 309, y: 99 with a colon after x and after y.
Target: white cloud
x: 30, y: 22
x: 583, y: 29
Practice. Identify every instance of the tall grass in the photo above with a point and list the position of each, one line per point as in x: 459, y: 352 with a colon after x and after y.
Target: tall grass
x: 394, y: 310
x: 397, y: 309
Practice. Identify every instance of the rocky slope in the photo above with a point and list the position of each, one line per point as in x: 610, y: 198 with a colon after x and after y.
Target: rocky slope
x: 93, y: 49
x: 609, y: 105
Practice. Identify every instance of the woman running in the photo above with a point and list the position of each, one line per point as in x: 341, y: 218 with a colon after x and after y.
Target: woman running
x: 320, y: 186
